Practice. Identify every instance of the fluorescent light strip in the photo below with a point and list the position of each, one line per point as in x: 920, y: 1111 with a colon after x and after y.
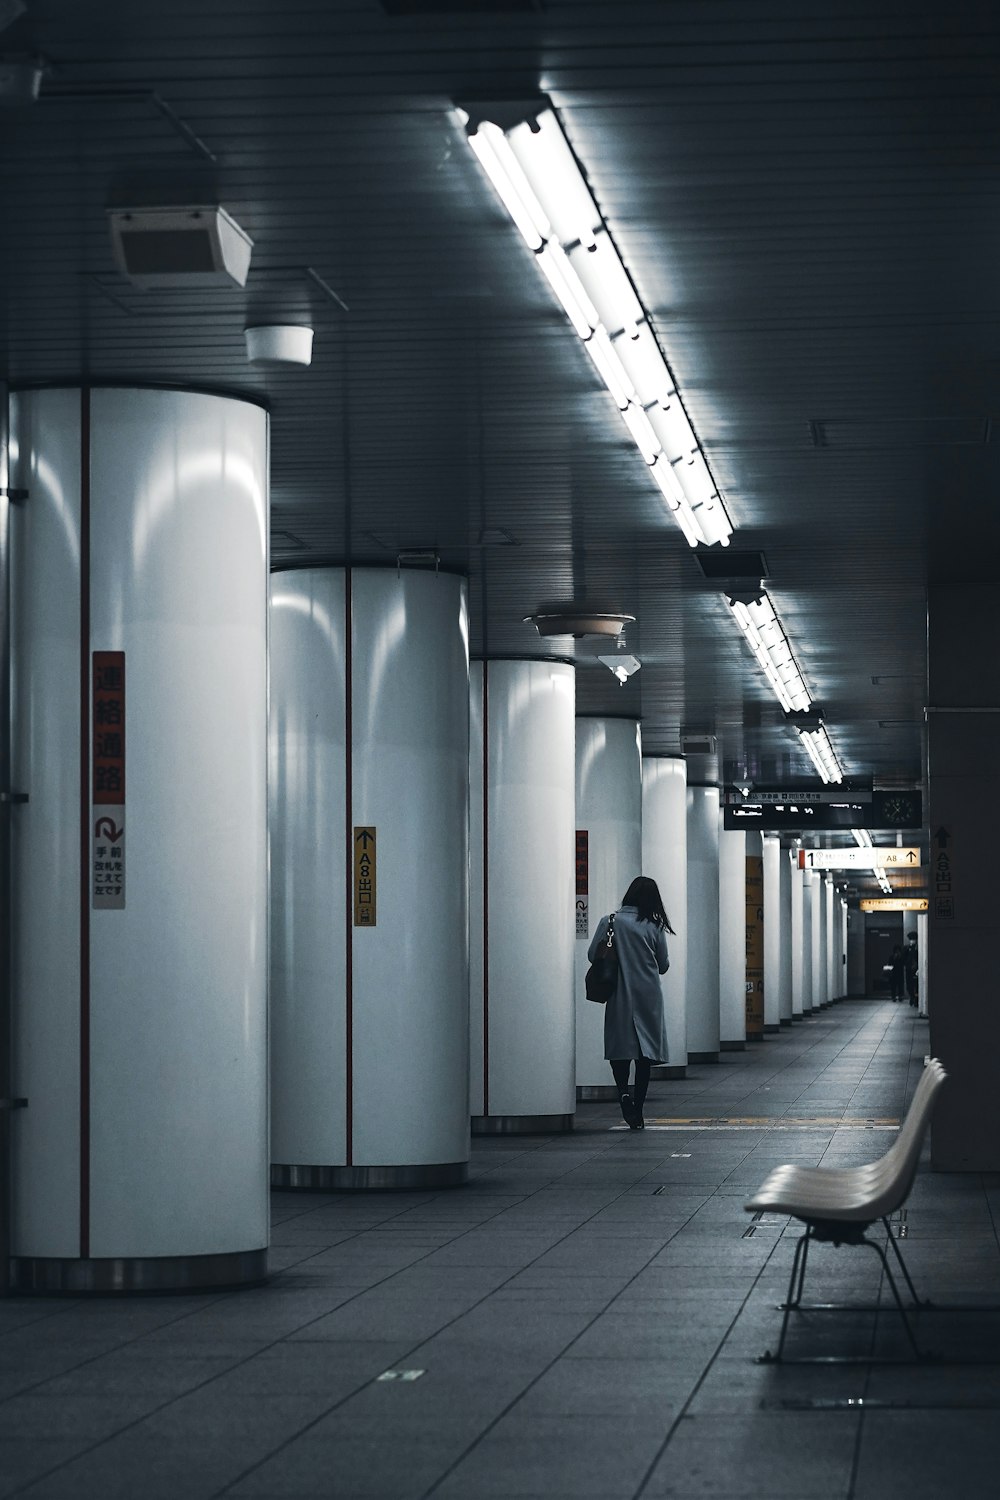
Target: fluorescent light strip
x: 817, y: 745
x: 769, y: 644
x: 883, y: 880
x: 540, y: 184
x: 862, y: 838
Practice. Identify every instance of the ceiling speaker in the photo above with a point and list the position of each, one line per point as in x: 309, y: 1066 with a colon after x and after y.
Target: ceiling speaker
x: 180, y: 246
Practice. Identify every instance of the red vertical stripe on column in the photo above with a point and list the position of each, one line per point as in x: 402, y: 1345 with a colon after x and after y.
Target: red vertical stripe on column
x: 349, y: 844
x: 486, y: 889
x: 85, y: 804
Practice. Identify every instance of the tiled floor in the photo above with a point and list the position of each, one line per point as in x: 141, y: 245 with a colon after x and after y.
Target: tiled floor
x: 585, y: 1314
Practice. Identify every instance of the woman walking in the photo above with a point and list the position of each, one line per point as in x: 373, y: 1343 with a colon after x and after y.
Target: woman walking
x: 634, y: 1024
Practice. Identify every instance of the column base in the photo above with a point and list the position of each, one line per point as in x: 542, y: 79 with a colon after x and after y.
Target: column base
x: 771, y: 1027
x: 733, y: 1046
x: 666, y: 1071
x: 787, y: 1020
x: 703, y: 1057
x: 755, y: 1036
x: 521, y: 1124
x: 597, y: 1093
x: 50, y: 1276
x: 368, y: 1179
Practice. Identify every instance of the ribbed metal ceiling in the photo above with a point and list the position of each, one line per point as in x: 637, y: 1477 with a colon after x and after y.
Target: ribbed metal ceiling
x: 806, y: 195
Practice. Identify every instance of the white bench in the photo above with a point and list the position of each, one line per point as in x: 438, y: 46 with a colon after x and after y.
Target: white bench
x: 838, y: 1204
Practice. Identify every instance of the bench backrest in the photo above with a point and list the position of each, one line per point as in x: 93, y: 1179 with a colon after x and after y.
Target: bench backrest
x: 898, y: 1167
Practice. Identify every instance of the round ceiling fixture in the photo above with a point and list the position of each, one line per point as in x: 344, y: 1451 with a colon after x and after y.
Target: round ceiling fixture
x: 578, y: 622
x: 279, y: 344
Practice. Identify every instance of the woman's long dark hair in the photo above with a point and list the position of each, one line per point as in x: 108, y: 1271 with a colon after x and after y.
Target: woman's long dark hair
x: 644, y: 895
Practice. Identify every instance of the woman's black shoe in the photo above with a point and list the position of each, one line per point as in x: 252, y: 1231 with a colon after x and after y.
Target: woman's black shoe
x: 628, y: 1110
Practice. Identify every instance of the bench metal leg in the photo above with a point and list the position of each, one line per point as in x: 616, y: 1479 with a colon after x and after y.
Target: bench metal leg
x: 895, y: 1292
x: 794, y: 1298
x: 918, y: 1302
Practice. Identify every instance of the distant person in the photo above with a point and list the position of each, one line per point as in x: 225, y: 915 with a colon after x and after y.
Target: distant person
x: 910, y: 966
x: 635, y: 1028
x: 896, y: 977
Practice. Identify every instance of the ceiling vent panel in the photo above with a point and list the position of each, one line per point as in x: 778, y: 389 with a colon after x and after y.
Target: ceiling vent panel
x: 729, y: 564
x: 900, y: 432
x: 180, y: 246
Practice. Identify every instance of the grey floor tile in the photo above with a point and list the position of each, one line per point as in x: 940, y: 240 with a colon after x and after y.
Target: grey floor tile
x: 764, y: 1456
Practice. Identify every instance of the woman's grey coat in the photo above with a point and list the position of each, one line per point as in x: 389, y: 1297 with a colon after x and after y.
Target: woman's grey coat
x: 634, y: 1022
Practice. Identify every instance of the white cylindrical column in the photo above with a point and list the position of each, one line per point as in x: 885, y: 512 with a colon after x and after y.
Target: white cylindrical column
x: 523, y: 1051
x: 809, y: 879
x: 817, y: 951
x: 140, y: 901
x: 664, y: 859
x: 821, y: 966
x: 773, y: 934
x: 732, y: 940
x: 832, y: 940
x: 703, y: 924
x: 369, y: 852
x: 922, y: 996
x: 785, y: 955
x: 842, y: 989
x: 799, y: 981
x: 608, y: 858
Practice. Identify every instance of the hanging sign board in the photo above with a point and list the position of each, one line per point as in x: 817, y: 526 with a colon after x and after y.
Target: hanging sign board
x: 884, y: 810
x: 859, y: 859
x: 107, y: 761
x: 365, y: 847
x: 755, y: 947
x: 582, y: 883
x: 895, y: 903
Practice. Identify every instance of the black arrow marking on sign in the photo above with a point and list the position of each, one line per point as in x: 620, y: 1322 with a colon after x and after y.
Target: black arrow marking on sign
x: 941, y: 838
x: 911, y: 856
x: 364, y: 838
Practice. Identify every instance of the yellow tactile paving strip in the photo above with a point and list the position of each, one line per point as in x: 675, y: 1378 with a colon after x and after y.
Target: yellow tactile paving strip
x: 769, y: 1122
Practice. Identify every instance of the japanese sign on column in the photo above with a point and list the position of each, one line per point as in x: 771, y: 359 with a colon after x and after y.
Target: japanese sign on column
x: 755, y: 946
x: 582, y: 883
x: 365, y: 906
x: 107, y: 759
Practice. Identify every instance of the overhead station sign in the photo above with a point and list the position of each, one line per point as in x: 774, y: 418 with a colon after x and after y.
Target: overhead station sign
x: 889, y: 810
x: 782, y: 796
x: 859, y: 859
x: 895, y: 903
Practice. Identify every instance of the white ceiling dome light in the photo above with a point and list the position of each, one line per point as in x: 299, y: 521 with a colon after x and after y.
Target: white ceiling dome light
x: 279, y: 344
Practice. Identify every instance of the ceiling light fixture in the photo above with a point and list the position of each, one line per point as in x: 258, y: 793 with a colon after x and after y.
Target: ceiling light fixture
x: 578, y: 621
x: 816, y: 744
x: 862, y: 837
x: 883, y: 881
x: 525, y: 154
x: 754, y: 614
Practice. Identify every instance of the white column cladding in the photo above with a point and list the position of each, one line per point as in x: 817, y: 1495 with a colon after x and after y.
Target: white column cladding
x: 832, y: 940
x: 773, y: 935
x: 703, y: 924
x: 609, y: 810
x: 843, y: 988
x: 523, y: 1058
x: 816, y: 910
x: 808, y: 885
x: 922, y: 996
x: 797, y: 882
x: 820, y: 964
x: 664, y: 859
x: 785, y: 956
x: 732, y: 940
x: 369, y: 731
x: 140, y: 1021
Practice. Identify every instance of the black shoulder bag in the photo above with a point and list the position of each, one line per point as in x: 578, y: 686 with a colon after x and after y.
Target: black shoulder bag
x: 602, y: 977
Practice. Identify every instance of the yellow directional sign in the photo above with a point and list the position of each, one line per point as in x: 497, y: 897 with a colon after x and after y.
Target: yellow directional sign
x: 364, y: 877
x: 902, y: 859
x: 895, y: 903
